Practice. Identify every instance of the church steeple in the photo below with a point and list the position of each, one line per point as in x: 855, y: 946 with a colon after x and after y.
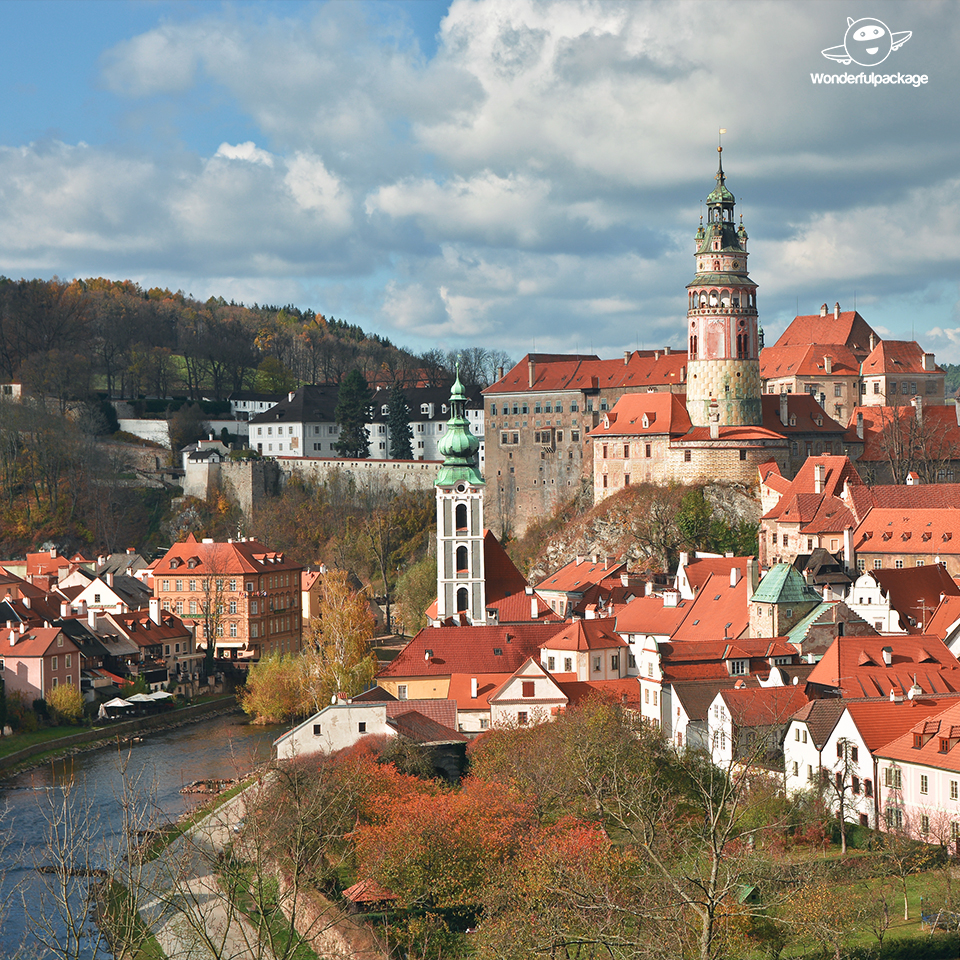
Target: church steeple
x: 459, y: 488
x: 723, y: 376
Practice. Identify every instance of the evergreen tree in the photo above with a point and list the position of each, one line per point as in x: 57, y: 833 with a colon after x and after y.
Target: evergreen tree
x: 398, y: 425
x: 353, y: 414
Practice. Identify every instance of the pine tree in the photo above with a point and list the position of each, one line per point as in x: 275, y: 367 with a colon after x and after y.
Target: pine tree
x: 398, y: 425
x: 353, y: 414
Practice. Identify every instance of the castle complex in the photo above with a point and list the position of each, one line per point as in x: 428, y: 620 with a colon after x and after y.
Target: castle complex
x: 719, y: 411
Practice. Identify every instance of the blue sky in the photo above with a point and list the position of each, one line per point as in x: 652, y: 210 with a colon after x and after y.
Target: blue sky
x: 511, y: 174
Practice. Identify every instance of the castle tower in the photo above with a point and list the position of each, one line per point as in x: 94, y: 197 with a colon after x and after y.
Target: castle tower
x: 460, y: 573
x: 723, y: 372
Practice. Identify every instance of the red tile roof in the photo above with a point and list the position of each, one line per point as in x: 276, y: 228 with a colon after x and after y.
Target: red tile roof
x: 422, y: 729
x: 707, y: 659
x: 138, y: 626
x: 806, y: 360
x: 240, y: 557
x: 940, y: 432
x: 855, y: 665
x: 915, y: 592
x: 880, y: 721
x: 440, y: 711
x: 700, y: 569
x: 849, y: 329
x: 586, y: 635
x: 945, y: 616
x: 810, y: 416
x: 763, y: 706
x: 836, y: 472
x: 502, y: 577
x: 896, y: 357
x: 469, y: 650
x: 578, y: 574
x: 732, y: 434
x: 820, y: 717
x: 35, y: 642
x: 625, y: 691
x: 517, y: 609
x: 487, y: 685
x: 555, y: 372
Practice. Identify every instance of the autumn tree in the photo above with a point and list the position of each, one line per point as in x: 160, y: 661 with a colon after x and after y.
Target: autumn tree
x: 274, y: 691
x: 353, y: 414
x: 416, y: 590
x: 186, y: 425
x: 338, y: 658
x: 66, y: 703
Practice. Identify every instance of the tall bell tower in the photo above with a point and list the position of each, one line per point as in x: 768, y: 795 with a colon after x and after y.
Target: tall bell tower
x: 461, y: 582
x: 723, y: 370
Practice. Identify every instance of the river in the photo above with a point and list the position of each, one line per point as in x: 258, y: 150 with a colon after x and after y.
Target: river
x: 84, y: 793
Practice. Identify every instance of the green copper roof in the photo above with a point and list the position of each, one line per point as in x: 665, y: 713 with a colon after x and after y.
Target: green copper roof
x: 720, y: 193
x: 458, y: 447
x: 783, y: 583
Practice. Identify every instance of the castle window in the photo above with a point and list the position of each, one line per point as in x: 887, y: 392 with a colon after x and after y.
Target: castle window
x: 461, y: 561
x: 647, y: 450
x: 462, y: 599
x: 687, y: 456
x: 626, y: 451
x: 461, y: 517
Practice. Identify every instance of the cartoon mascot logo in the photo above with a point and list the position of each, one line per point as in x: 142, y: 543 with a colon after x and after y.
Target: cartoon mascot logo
x: 867, y: 42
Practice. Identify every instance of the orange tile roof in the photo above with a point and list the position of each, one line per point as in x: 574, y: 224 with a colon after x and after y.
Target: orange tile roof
x: 896, y: 357
x: 849, y: 329
x: 517, y: 609
x: 502, y: 578
x: 940, y: 432
x: 806, y: 360
x: 836, y: 472
x: 556, y: 372
x: 718, y: 610
x: 707, y: 659
x: 644, y: 414
x: 625, y: 691
x: 36, y: 642
x: 649, y: 615
x: 240, y: 557
x: 856, y: 667
x: 700, y: 569
x: 732, y: 434
x: 577, y: 575
x: 945, y: 616
x: 942, y: 725
x: 916, y: 531
x: 487, y: 685
x: 584, y: 635
x: 881, y: 721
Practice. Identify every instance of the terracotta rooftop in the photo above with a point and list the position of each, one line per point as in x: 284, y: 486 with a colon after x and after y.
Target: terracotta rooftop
x: 909, y: 531
x: 487, y: 685
x: 578, y: 574
x: 945, y: 616
x: 897, y: 357
x: 939, y: 432
x: 915, y: 592
x: 718, y: 611
x: 649, y: 615
x: 881, y: 721
x: 518, y: 608
x: 810, y: 416
x: 700, y: 569
x: 237, y: 557
x: 421, y: 729
x: 502, y: 577
x: 807, y: 360
x: 820, y: 717
x: 695, y: 696
x: 763, y: 706
x: 849, y: 329
x: 625, y: 691
x: 644, y: 414
x: 582, y: 635
x: 34, y: 642
x: 798, y: 497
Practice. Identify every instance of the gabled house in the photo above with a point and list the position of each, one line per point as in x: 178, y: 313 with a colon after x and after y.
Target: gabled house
x: 586, y: 650
x: 892, y: 538
x: 897, y: 371
x: 902, y: 600
x: 813, y: 634
x: 529, y: 696
x: 113, y: 593
x: 565, y: 588
x: 694, y: 571
x: 472, y: 697
x: 34, y: 661
x: 165, y: 643
x: 720, y: 610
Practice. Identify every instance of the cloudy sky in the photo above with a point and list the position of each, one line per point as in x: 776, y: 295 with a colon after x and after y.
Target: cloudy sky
x: 507, y: 173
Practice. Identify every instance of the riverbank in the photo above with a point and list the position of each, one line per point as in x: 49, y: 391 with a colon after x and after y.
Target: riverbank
x: 99, y: 737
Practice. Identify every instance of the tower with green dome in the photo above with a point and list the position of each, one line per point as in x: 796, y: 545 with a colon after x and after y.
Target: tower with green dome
x: 723, y: 370
x: 460, y: 568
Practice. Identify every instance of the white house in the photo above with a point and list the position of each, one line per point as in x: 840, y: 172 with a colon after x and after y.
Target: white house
x: 586, y: 650
x: 529, y: 696
x: 747, y: 723
x: 869, y: 600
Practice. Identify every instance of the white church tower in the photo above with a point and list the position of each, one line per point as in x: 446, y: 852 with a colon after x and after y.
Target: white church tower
x: 460, y: 573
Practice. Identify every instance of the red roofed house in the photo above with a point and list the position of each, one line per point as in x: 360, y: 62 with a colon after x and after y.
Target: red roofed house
x: 586, y: 650
x: 250, y: 597
x: 472, y: 697
x: 881, y: 666
x: 36, y: 660
x: 530, y: 695
x: 897, y: 538
x: 845, y: 327
x: 747, y: 724
x: 902, y: 600
x: 163, y: 639
x: 919, y: 779
x: 565, y: 588
x: 898, y: 370
x: 721, y: 610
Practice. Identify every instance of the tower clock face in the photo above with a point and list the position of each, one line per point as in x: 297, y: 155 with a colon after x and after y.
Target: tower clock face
x: 736, y: 264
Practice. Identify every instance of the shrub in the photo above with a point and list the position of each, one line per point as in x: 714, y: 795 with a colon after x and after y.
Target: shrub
x: 66, y: 703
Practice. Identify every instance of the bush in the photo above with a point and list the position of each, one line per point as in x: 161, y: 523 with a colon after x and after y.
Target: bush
x: 66, y: 703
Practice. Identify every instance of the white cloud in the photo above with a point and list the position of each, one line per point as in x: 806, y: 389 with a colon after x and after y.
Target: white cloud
x: 245, y: 151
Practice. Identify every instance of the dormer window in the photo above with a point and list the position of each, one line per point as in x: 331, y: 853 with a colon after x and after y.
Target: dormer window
x: 384, y: 410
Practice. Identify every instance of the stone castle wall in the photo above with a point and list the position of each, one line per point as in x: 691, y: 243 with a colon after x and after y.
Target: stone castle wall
x: 710, y: 379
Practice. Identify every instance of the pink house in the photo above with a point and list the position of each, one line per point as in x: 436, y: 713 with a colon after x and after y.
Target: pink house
x: 37, y: 660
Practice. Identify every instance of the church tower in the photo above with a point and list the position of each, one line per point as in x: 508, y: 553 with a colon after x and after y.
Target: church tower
x: 460, y: 573
x: 723, y: 370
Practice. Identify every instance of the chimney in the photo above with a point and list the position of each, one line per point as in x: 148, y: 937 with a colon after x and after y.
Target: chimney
x: 473, y: 688
x: 683, y: 374
x: 624, y: 579
x: 531, y: 371
x: 656, y: 355
x: 64, y: 609
x: 499, y: 373
x: 533, y: 607
x: 714, y: 430
x: 108, y: 579
x: 818, y: 476
x: 596, y: 558
x: 918, y: 406
x: 848, y: 548
x: 53, y: 551
x: 155, y: 609
x: 626, y: 357
x: 290, y: 397
x: 888, y: 656
x: 872, y: 341
x: 836, y: 311
x: 928, y: 363
x: 684, y: 558
x: 666, y: 351
x: 131, y: 550
x: 26, y: 602
x: 670, y: 598
x: 734, y: 576
x: 83, y: 608
x: 580, y: 559
x: 784, y: 408
x: 753, y: 572
x: 23, y: 628
x: 860, y: 423
x: 823, y: 310
x: 828, y: 365
x: 13, y: 638
x: 92, y: 619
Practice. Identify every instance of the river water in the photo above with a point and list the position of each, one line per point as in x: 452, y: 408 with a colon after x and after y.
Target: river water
x: 83, y: 796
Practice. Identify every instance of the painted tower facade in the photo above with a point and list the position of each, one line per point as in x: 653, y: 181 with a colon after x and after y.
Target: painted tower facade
x: 723, y: 373
x: 459, y: 485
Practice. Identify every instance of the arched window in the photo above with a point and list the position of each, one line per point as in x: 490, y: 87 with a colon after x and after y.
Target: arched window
x: 462, y: 603
x: 461, y: 517
x: 461, y: 559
